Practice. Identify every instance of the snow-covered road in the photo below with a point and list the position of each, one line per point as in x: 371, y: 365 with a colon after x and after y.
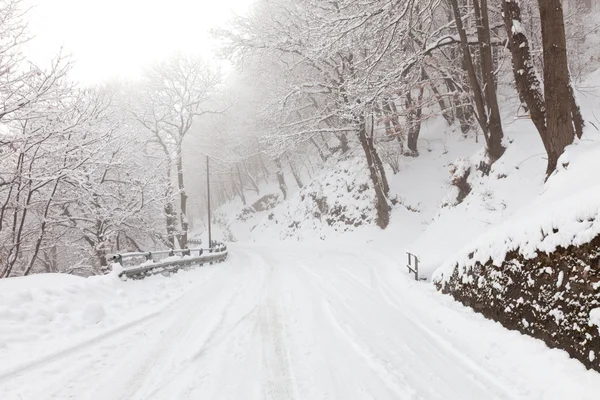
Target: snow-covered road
x: 298, y: 322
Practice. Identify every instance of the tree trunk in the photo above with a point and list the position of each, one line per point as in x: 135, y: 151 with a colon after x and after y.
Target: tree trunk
x: 488, y: 112
x: 391, y: 120
x: 464, y: 112
x: 382, y: 206
x: 526, y: 79
x: 321, y: 155
x: 557, y: 85
x: 170, y: 219
x: 239, y: 190
x: 414, y: 120
x: 295, y: 173
x: 470, y: 68
x: 263, y: 168
x: 446, y: 113
x: 250, y: 179
x: 42, y: 230
x: 343, y: 142
x: 281, y: 178
x: 495, y: 148
x: 182, y: 202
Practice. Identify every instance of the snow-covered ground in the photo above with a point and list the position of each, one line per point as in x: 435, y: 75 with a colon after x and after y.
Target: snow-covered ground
x: 290, y: 321
x: 421, y: 223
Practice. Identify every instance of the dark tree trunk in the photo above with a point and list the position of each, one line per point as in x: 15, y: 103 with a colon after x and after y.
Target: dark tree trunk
x: 470, y: 68
x: 494, y: 144
x: 170, y: 219
x: 183, y: 219
x: 250, y: 179
x: 240, y: 189
x: 528, y: 85
x: 578, y: 123
x: 446, y: 113
x: 488, y: 112
x: 296, y: 173
x: 557, y: 85
x: 391, y: 120
x: 557, y: 113
x: 380, y: 186
x: 464, y: 112
x: 263, y: 168
x: 344, y: 146
x: 414, y: 120
x: 321, y: 154
x: 281, y: 178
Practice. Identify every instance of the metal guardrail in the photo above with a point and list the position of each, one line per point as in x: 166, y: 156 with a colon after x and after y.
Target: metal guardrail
x: 216, y: 254
x: 413, y: 264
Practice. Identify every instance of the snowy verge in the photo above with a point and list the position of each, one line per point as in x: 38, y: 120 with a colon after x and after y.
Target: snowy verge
x: 42, y: 314
x: 566, y: 213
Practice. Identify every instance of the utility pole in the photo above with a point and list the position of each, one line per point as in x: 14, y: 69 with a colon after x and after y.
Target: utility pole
x: 208, y: 201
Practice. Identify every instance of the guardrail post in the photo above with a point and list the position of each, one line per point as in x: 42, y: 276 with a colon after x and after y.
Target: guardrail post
x: 171, y: 254
x: 413, y: 268
x: 186, y: 252
x: 149, y: 256
x: 118, y: 259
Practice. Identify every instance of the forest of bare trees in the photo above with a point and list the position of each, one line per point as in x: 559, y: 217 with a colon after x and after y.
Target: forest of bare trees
x: 89, y: 171
x: 344, y: 75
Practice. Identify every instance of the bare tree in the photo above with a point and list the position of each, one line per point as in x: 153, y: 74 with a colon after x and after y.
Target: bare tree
x: 175, y: 93
x: 554, y: 111
x: 486, y: 101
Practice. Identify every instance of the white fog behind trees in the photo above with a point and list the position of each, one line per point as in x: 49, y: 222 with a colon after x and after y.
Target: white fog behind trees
x: 92, y: 170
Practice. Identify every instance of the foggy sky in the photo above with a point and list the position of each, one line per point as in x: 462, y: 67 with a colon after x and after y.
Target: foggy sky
x: 116, y: 38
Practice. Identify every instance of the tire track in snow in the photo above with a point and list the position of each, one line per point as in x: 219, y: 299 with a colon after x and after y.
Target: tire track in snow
x: 225, y: 325
x: 214, y: 328
x: 477, y: 370
x: 90, y: 342
x: 392, y: 299
x: 162, y: 353
x: 480, y: 378
x: 395, y: 382
x: 280, y: 383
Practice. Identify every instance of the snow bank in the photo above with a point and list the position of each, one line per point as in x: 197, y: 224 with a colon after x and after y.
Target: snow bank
x: 43, y: 313
x: 338, y: 201
x: 565, y: 213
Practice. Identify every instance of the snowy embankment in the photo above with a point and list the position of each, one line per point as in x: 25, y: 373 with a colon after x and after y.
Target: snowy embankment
x: 42, y: 315
x: 296, y: 321
x: 567, y: 212
x: 537, y: 271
